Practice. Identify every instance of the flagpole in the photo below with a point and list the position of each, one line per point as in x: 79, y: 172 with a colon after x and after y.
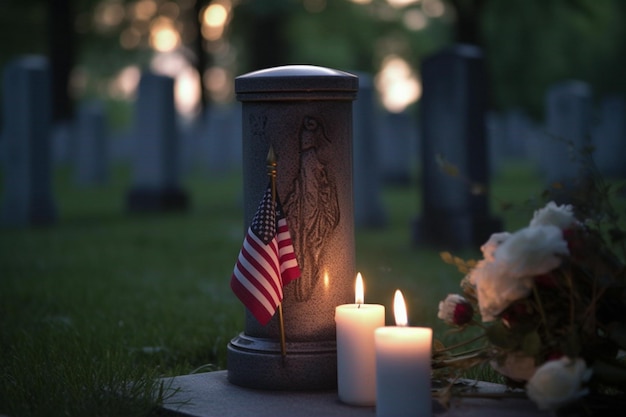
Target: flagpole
x: 271, y: 171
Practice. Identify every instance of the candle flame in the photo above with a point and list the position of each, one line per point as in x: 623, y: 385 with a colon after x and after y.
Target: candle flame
x: 359, y: 292
x: 399, y: 309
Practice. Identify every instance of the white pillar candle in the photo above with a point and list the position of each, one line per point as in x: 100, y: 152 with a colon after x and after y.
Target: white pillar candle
x: 356, y: 356
x: 403, y: 356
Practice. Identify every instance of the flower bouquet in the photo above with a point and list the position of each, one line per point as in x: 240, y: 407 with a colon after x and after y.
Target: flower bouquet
x: 548, y: 305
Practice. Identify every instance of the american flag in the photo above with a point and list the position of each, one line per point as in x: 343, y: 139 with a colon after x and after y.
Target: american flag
x: 266, y: 262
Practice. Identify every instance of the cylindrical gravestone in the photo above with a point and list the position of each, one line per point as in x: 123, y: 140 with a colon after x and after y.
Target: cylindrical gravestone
x: 305, y: 114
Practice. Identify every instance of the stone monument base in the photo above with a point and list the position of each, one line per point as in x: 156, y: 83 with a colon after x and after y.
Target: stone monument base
x: 258, y: 363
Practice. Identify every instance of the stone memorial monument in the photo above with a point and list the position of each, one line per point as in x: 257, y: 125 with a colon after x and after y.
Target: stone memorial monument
x: 304, y: 113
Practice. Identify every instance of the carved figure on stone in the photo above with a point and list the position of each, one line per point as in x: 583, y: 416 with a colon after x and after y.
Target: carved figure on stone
x: 313, y: 201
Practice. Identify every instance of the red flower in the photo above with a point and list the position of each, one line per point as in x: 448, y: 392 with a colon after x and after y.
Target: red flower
x: 547, y: 281
x: 463, y: 313
x: 575, y: 243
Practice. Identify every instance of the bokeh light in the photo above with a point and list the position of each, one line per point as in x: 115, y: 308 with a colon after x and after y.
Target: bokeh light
x: 214, y: 19
x: 124, y: 85
x: 164, y: 36
x: 397, y: 84
x: 402, y: 3
x: 186, y: 81
x: 414, y: 20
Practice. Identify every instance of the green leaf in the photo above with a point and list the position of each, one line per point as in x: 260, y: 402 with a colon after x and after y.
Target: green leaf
x: 503, y: 337
x: 531, y: 344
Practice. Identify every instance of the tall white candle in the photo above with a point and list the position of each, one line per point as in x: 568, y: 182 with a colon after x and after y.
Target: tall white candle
x: 356, y: 356
x: 403, y: 356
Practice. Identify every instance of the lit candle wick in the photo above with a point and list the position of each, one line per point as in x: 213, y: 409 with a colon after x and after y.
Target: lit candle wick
x: 399, y: 310
x: 359, y: 291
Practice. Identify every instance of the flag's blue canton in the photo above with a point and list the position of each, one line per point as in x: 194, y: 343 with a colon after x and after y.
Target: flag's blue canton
x: 264, y: 221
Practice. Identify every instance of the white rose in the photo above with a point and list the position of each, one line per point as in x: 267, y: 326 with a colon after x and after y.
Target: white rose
x: 517, y: 366
x: 558, y: 382
x: 508, y: 276
x: 559, y: 216
x: 492, y: 244
x: 497, y: 287
x: 532, y: 251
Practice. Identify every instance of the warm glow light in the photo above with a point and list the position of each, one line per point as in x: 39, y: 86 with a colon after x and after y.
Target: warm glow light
x: 163, y: 35
x: 186, y: 84
x: 170, y: 9
x: 215, y: 15
x: 124, y: 85
x: 109, y: 14
x: 359, y: 291
x: 397, y: 84
x: 433, y: 8
x: 401, y: 3
x: 130, y: 38
x: 219, y: 83
x: 326, y: 281
x: 145, y: 9
x: 361, y: 1
x: 414, y: 20
x: 399, y: 309
x: 187, y: 91
x: 214, y: 18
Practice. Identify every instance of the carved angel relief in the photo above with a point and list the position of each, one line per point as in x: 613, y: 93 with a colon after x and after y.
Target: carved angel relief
x: 314, y: 203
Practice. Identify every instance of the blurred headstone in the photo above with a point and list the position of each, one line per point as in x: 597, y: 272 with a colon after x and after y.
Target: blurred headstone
x: 221, y: 143
x: 91, y: 162
x: 28, y: 198
x: 368, y: 208
x: 568, y: 128
x: 509, y: 132
x: 397, y: 147
x: 609, y: 137
x: 156, y: 152
x: 455, y: 166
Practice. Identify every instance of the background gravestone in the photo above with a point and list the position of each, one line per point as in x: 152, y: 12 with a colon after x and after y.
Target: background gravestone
x: 157, y: 149
x: 397, y: 147
x: 453, y: 111
x: 609, y: 137
x: 368, y: 208
x: 568, y: 123
x: 28, y: 198
x: 221, y: 141
x: 91, y: 160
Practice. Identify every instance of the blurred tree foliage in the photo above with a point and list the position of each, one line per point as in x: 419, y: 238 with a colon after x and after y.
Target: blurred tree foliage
x: 333, y: 33
x: 529, y: 44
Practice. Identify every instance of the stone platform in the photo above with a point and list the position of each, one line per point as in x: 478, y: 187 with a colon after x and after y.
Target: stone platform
x: 211, y: 395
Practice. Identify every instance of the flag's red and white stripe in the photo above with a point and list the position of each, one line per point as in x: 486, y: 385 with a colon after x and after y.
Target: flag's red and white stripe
x: 264, y: 266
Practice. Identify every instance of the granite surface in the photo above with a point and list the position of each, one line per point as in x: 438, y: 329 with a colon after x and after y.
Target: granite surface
x: 211, y: 395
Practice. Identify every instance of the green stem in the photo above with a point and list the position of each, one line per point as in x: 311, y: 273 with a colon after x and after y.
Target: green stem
x: 541, y: 310
x: 463, y: 343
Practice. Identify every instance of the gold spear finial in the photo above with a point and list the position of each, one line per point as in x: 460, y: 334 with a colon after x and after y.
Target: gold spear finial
x: 271, y: 162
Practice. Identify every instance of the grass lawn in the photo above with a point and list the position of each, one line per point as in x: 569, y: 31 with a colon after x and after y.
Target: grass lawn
x: 95, y: 307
